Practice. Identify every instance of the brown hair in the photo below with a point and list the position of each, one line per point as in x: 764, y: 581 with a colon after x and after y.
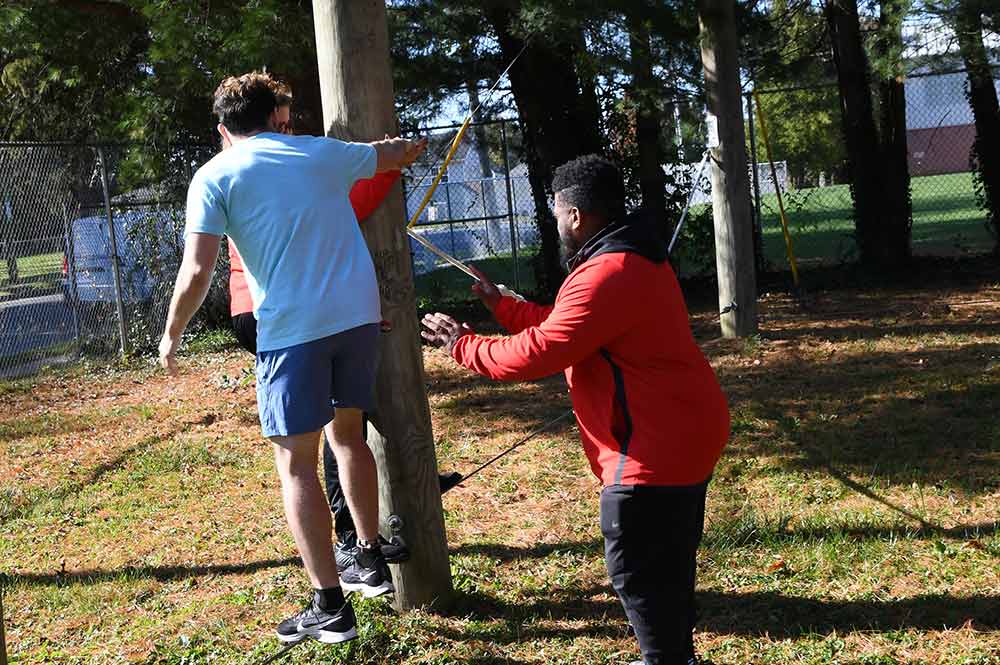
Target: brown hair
x: 243, y: 103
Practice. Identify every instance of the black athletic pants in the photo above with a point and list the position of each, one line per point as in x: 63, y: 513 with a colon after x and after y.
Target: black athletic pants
x: 245, y: 327
x: 651, y: 537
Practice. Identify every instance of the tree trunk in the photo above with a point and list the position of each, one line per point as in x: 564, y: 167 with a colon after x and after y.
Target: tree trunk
x: 353, y: 53
x: 652, y: 182
x: 876, y: 232
x: 557, y: 123
x: 308, y: 102
x: 731, y: 211
x: 982, y: 96
x: 897, y: 215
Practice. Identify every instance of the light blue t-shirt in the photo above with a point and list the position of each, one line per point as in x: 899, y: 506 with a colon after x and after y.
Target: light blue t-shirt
x: 283, y: 201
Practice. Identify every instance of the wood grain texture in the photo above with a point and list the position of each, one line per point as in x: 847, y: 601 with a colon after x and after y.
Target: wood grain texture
x: 3, y: 639
x: 353, y: 52
x: 731, y: 207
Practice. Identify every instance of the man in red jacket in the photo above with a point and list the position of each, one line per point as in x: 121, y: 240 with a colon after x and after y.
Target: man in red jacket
x: 651, y: 414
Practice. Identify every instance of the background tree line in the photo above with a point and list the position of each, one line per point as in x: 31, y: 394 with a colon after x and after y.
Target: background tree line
x: 621, y: 77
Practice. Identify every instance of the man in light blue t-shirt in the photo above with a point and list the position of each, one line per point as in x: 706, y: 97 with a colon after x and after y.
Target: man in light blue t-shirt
x: 283, y: 201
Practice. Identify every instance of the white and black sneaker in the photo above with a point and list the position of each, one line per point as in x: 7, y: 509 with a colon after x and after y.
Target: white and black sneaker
x: 367, y: 573
x: 327, y: 627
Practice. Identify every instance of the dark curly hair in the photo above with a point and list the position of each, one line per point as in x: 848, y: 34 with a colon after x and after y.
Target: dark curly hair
x: 243, y: 103
x: 593, y: 184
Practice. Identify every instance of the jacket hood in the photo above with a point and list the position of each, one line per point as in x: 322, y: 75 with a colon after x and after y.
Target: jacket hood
x: 638, y: 234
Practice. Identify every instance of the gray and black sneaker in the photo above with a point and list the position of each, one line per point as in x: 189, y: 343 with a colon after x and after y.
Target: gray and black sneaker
x: 327, y: 627
x: 394, y: 550
x: 367, y: 573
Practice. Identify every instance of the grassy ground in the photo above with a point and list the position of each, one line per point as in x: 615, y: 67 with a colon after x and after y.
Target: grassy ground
x: 946, y: 221
x: 853, y: 518
x: 34, y: 266
x: 448, y: 285
x: 32, y: 272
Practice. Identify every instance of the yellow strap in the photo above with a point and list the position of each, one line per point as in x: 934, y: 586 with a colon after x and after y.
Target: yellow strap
x: 441, y: 172
x: 777, y: 189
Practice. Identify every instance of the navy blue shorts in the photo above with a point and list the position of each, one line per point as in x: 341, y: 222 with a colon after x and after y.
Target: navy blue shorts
x: 299, y: 387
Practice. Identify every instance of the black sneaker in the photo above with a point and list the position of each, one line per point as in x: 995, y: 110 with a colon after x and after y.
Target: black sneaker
x: 394, y: 550
x: 327, y: 627
x: 367, y: 573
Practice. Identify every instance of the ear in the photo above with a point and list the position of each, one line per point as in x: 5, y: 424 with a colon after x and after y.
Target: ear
x: 273, y: 121
x: 575, y: 219
x: 227, y: 140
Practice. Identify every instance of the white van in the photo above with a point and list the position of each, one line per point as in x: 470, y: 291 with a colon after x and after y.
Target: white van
x: 147, y: 242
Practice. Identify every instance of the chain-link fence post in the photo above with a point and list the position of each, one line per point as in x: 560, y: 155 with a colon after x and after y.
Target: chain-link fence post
x: 115, y: 260
x: 510, y: 205
x: 758, y: 231
x: 70, y: 295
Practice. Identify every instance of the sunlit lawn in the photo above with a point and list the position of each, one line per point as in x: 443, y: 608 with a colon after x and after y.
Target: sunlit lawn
x: 853, y: 518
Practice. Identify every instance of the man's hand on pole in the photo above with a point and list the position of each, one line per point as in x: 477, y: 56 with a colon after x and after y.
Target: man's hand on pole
x: 443, y: 331
x: 395, y: 154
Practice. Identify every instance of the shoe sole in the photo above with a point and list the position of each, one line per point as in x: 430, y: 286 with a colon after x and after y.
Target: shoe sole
x: 324, y: 636
x: 368, y: 591
x: 331, y: 637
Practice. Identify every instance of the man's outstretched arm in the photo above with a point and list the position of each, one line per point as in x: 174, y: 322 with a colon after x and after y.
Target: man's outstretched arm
x: 592, y: 309
x: 395, y: 154
x: 193, y: 281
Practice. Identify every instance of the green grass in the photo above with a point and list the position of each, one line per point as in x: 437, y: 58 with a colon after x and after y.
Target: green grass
x: 946, y: 221
x: 36, y: 276
x: 448, y: 285
x: 34, y: 266
x: 852, y: 520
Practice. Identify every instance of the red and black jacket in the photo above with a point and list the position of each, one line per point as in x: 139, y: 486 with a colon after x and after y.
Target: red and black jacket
x: 647, y: 402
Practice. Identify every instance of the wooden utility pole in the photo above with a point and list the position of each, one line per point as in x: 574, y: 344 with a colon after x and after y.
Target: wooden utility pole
x: 352, y: 45
x: 731, y: 209
x: 3, y: 641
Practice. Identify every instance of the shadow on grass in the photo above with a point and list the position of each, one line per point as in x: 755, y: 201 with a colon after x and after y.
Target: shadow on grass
x: 779, y: 616
x: 50, y: 423
x: 723, y: 535
x: 505, y: 553
x: 925, y: 416
x: 20, y: 507
x: 159, y: 573
x: 764, y: 613
x: 927, y: 273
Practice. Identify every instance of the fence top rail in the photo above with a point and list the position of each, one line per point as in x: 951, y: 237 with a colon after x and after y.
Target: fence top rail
x: 481, y: 123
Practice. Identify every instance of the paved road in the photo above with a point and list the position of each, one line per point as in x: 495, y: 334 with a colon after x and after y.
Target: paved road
x: 32, y: 324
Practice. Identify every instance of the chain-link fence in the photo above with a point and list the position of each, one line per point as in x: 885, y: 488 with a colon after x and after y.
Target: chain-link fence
x: 91, y: 238
x: 482, y: 211
x: 803, y: 126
